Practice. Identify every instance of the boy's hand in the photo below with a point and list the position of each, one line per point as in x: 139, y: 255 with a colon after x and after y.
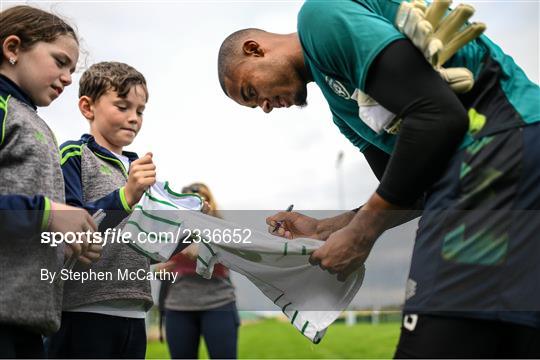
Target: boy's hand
x: 91, y: 255
x: 142, y: 175
x: 65, y: 218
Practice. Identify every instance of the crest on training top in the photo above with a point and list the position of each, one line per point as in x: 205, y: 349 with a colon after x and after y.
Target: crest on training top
x: 337, y: 87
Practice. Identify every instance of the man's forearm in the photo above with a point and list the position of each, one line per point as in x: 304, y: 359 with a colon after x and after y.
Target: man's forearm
x: 325, y: 227
x: 404, y: 215
x: 378, y: 215
x: 394, y: 216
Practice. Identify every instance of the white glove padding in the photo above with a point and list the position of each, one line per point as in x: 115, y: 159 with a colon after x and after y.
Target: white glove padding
x: 440, y: 40
x: 376, y: 116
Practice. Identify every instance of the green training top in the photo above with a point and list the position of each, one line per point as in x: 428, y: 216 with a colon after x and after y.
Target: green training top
x: 341, y: 38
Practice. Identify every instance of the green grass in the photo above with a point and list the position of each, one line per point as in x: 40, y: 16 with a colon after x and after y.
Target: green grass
x: 279, y: 340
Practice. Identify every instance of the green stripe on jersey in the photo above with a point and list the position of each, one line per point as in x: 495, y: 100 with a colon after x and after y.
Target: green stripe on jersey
x: 209, y: 248
x: 157, y: 218
x: 4, y: 107
x: 294, y: 316
x: 180, y: 195
x: 201, y: 260
x: 279, y: 297
x: 46, y: 214
x: 66, y: 157
x: 123, y: 200
x: 159, y: 201
x: 116, y: 161
x: 304, y: 327
x: 66, y: 148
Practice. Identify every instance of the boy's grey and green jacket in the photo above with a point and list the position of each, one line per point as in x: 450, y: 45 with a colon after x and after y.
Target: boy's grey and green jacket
x: 94, y: 179
x: 30, y: 179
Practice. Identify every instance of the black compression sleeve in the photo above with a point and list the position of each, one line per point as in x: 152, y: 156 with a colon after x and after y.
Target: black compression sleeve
x: 377, y: 160
x: 434, y: 121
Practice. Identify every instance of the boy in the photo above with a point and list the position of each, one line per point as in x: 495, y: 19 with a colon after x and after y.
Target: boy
x: 105, y: 318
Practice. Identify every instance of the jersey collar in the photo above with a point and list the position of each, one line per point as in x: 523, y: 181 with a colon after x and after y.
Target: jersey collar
x: 95, y: 147
x: 8, y: 87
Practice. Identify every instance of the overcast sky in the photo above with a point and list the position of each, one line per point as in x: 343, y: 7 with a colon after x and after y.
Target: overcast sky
x: 251, y: 160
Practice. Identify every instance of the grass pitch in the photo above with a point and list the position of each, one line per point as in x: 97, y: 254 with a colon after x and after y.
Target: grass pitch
x: 273, y: 339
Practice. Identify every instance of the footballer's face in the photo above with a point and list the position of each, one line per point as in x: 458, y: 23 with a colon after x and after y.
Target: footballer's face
x: 267, y: 83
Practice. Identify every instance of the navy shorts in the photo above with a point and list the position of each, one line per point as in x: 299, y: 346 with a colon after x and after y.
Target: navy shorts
x: 477, y: 249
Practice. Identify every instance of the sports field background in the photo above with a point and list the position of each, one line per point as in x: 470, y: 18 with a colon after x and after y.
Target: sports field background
x: 271, y: 338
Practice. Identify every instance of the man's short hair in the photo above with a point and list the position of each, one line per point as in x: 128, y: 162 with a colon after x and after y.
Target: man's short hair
x: 110, y: 75
x: 230, y: 51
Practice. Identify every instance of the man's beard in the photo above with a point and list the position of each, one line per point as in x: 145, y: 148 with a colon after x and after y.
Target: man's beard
x: 300, y: 98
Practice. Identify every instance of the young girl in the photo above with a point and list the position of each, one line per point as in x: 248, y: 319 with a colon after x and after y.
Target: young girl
x: 38, y: 54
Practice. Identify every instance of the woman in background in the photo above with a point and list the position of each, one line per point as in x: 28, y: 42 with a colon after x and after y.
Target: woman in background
x: 195, y: 306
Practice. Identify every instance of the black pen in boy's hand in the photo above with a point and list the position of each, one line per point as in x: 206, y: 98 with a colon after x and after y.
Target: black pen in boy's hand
x: 280, y: 223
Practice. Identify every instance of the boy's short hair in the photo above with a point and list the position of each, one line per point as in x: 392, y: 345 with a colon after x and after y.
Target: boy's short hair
x: 110, y: 75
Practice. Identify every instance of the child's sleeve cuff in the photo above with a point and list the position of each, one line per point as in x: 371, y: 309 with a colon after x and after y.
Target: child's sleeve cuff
x: 45, y: 220
x: 123, y: 200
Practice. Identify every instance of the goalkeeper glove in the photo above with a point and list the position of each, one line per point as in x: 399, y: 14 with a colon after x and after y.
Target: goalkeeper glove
x: 438, y: 38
